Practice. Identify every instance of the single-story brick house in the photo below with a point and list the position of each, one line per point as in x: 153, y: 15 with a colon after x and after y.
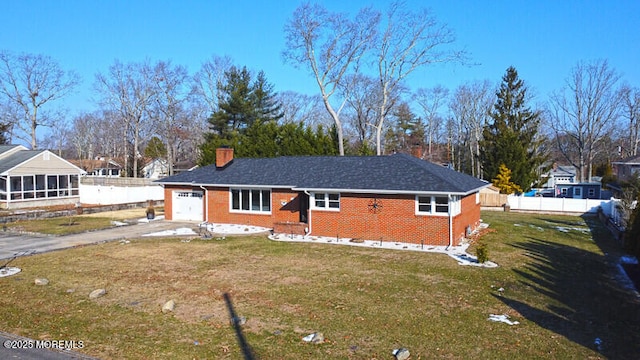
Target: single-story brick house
x: 389, y: 198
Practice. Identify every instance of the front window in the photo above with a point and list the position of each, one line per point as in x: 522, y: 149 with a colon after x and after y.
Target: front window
x: 326, y: 201
x: 251, y: 200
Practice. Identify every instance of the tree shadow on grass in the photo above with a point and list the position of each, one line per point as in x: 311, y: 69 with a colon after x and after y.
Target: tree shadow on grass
x: 246, y: 350
x: 585, y: 302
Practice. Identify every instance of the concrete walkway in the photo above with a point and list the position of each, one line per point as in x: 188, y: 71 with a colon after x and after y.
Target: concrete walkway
x: 12, y: 244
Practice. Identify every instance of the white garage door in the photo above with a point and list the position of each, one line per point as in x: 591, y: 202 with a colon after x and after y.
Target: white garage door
x: 187, y: 205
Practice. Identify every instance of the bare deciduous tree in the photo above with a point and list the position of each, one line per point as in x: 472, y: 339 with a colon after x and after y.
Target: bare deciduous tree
x: 470, y: 108
x: 29, y: 82
x: 206, y: 82
x: 431, y: 101
x: 330, y: 45
x: 298, y: 107
x: 84, y: 136
x: 584, y: 113
x: 128, y: 90
x: 631, y: 112
x: 409, y: 41
x: 362, y: 98
x: 168, y: 107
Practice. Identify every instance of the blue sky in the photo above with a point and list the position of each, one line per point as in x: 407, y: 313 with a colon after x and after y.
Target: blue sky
x: 543, y: 39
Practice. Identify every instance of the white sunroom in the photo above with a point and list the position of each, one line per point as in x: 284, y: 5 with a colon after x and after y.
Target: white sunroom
x: 31, y: 178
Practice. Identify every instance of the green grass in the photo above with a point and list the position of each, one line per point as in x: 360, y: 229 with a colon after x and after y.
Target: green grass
x: 61, y: 225
x: 367, y: 302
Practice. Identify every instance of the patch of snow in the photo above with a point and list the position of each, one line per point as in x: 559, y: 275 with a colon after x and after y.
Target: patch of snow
x: 598, y: 343
x: 622, y: 276
x: 502, y: 318
x: 233, y: 229
x: 567, y: 229
x: 8, y: 271
x: 628, y: 259
x: 179, y: 231
x: 119, y: 223
x: 145, y: 220
x: 226, y: 229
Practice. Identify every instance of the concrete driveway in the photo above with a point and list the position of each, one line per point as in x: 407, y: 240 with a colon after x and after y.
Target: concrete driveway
x: 15, y: 243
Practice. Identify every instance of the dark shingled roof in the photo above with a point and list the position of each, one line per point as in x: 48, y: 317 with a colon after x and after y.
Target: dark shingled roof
x: 5, y: 148
x: 396, y: 173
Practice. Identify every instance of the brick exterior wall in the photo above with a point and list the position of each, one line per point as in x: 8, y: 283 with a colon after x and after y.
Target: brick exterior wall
x: 469, y: 217
x: 284, y: 208
x: 396, y: 219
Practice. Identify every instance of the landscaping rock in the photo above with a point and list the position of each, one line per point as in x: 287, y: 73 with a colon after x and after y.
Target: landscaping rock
x: 239, y: 320
x: 168, y: 306
x: 41, y: 281
x: 401, y: 354
x: 97, y: 293
x: 315, y: 338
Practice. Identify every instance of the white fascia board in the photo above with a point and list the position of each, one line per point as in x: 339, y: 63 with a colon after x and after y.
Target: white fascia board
x: 332, y: 190
x: 388, y: 192
x: 247, y: 186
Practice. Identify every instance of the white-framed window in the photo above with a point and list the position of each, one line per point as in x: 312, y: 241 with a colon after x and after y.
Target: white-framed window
x: 39, y: 186
x: 592, y: 192
x: 577, y: 191
x: 437, y: 205
x: 326, y: 201
x: 250, y: 200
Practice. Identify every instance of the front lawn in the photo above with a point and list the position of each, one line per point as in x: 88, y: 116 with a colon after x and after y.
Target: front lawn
x: 76, y: 224
x: 554, y: 279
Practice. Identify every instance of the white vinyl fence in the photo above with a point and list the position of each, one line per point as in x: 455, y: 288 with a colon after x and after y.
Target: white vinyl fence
x: 111, y: 191
x: 560, y: 204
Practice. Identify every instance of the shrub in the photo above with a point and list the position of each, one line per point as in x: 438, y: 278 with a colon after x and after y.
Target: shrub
x: 482, y: 252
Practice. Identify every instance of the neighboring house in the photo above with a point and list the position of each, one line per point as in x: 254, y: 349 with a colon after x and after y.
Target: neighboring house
x: 559, y: 174
x: 592, y: 190
x: 156, y: 169
x: 387, y: 198
x: 99, y: 167
x: 624, y: 169
x: 31, y: 178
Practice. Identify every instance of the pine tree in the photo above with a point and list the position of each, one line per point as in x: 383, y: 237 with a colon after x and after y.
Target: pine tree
x: 512, y: 138
x: 236, y: 105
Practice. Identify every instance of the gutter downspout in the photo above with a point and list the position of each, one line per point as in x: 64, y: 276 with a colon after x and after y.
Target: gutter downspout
x: 206, y: 205
x: 450, y: 223
x: 308, y: 211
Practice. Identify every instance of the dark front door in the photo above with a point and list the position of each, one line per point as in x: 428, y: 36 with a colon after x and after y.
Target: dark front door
x: 304, y: 207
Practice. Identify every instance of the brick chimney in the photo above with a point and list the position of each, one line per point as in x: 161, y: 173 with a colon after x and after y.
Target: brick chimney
x: 224, y: 156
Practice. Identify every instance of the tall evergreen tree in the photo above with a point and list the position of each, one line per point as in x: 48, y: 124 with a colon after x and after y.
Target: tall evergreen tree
x: 236, y: 104
x: 247, y: 120
x: 511, y: 137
